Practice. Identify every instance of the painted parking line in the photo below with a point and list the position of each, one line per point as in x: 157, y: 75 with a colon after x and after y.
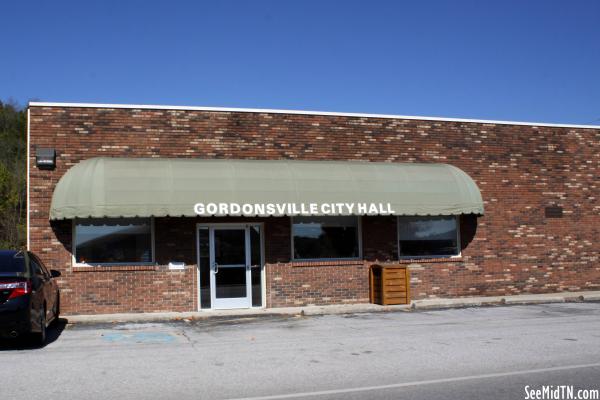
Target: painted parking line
x: 417, y: 383
x: 138, y: 337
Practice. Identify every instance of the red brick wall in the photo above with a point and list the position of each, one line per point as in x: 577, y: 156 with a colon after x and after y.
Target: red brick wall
x: 300, y: 283
x: 515, y: 249
x: 125, y: 288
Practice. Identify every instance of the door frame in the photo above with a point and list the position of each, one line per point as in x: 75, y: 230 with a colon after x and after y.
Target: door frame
x: 231, y: 225
x: 230, y: 302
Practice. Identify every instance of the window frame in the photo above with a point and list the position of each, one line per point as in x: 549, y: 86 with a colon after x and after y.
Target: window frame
x: 116, y: 264
x: 359, y: 233
x: 432, y: 256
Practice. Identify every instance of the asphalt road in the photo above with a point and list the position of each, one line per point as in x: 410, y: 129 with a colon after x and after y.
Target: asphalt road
x: 475, y: 353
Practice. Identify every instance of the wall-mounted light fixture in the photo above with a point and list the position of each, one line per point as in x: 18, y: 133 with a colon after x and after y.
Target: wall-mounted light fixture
x: 553, y: 212
x: 45, y: 158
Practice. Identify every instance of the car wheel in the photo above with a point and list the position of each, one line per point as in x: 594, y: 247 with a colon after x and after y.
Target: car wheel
x: 40, y: 337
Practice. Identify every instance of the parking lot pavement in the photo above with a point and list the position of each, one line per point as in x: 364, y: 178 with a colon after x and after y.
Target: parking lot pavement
x: 471, y: 353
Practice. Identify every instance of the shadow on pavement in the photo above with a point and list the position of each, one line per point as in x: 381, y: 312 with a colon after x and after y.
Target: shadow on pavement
x: 26, y: 343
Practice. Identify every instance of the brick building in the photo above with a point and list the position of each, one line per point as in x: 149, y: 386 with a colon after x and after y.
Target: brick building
x: 480, y: 207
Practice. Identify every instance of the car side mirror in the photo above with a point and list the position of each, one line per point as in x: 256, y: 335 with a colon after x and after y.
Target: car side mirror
x: 54, y: 273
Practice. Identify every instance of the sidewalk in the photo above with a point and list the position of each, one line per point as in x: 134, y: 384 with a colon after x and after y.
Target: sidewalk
x: 426, y: 304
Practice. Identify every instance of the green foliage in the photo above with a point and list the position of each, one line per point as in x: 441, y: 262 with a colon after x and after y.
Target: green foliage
x: 13, y: 182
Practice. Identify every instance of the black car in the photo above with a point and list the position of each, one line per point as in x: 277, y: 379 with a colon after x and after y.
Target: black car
x: 29, y: 296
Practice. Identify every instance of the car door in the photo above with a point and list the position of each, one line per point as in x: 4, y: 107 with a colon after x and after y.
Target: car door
x: 40, y: 287
x: 50, y: 289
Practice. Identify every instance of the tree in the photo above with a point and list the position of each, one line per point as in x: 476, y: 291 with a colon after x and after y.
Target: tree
x: 13, y: 182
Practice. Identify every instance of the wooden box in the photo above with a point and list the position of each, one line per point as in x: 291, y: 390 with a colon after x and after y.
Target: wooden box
x: 389, y: 284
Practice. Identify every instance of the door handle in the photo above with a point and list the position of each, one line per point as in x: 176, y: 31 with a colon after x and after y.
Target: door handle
x: 216, y: 267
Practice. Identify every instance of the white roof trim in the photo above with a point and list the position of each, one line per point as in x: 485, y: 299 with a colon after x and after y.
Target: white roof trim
x: 300, y: 112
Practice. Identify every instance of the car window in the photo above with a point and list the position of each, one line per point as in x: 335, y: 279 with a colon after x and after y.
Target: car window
x: 36, y: 266
x: 12, y: 262
x: 46, y: 272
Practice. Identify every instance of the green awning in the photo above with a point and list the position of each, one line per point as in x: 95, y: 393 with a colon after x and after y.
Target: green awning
x: 159, y: 187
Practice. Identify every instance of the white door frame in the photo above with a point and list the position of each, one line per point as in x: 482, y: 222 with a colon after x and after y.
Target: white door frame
x: 233, y: 302
x: 237, y: 302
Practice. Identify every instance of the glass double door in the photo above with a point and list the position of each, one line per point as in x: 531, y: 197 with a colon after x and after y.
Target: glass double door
x: 234, y: 255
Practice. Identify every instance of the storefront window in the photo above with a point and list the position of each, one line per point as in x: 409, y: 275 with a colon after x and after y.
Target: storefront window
x: 325, y: 237
x: 204, y: 264
x: 428, y: 236
x: 256, y: 266
x: 113, y: 241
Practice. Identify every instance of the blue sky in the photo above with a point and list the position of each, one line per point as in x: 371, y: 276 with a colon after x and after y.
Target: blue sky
x: 515, y: 60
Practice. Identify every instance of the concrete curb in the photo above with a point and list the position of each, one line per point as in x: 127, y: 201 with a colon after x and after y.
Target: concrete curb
x: 425, y: 304
x: 524, y: 299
